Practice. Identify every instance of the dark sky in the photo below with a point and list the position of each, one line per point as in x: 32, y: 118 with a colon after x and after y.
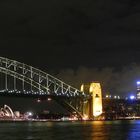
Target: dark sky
x: 61, y: 36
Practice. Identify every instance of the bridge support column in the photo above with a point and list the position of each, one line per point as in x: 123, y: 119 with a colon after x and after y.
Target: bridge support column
x: 95, y: 90
x: 93, y: 107
x: 86, y: 109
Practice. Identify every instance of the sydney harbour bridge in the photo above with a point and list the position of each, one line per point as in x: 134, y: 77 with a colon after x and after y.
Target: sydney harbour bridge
x: 19, y: 79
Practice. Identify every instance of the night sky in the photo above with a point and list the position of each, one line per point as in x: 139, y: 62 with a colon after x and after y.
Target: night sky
x: 77, y: 41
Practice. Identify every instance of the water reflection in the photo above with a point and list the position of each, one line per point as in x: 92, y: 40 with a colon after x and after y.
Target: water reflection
x: 96, y: 130
x: 134, y: 132
x: 109, y: 130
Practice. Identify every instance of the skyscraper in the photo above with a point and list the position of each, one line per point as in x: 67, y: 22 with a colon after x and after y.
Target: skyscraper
x: 138, y: 90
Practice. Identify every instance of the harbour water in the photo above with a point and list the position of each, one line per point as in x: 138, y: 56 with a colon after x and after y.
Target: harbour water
x: 88, y: 130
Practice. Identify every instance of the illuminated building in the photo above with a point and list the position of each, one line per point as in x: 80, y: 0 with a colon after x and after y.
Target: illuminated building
x: 17, y: 114
x: 6, y: 111
x: 138, y: 90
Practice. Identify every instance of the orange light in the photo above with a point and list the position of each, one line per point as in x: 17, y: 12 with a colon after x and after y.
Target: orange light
x: 95, y: 89
x: 82, y: 88
x: 85, y: 117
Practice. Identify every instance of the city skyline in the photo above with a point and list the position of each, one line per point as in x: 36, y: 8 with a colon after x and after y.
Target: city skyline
x: 70, y: 69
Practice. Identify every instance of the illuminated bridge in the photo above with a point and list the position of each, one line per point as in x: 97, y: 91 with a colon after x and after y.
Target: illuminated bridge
x: 19, y: 79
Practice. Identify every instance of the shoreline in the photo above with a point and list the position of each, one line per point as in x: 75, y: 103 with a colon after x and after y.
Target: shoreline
x: 59, y: 120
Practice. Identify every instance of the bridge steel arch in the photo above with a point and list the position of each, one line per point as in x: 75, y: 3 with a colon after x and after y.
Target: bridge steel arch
x: 46, y: 84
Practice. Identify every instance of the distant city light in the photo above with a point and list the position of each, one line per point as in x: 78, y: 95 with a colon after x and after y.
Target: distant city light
x: 49, y: 99
x: 132, y: 97
x: 138, y: 82
x: 107, y: 96
x: 115, y: 97
x: 126, y: 98
x: 38, y: 100
x: 85, y: 117
x: 30, y: 113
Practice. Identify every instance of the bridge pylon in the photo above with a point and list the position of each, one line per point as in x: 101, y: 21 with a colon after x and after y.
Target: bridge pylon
x: 92, y: 108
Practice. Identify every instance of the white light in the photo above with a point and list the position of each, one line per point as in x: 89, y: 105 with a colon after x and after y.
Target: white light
x: 138, y: 82
x: 106, y: 96
x: 38, y: 100
x: 49, y: 99
x: 115, y: 97
x: 132, y: 97
x: 29, y: 114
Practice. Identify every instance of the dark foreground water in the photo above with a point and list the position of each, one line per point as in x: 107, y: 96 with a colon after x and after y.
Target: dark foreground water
x: 96, y: 130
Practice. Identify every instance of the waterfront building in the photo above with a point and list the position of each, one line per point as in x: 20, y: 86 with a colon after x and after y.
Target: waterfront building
x: 6, y: 111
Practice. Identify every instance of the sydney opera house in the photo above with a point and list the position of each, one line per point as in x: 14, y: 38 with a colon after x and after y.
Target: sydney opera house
x: 7, y: 112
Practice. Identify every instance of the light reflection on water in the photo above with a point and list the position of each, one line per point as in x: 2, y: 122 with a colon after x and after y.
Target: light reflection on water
x: 90, y: 130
